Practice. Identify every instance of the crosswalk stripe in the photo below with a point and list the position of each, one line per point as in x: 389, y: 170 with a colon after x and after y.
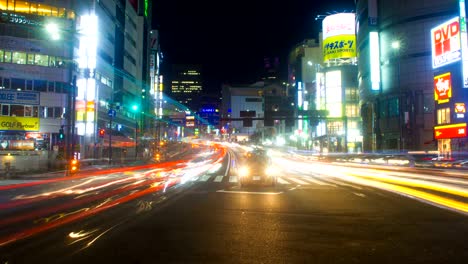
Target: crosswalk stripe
x: 218, y: 178
x: 345, y: 184
x: 298, y: 181
x: 282, y: 181
x: 233, y: 179
x: 204, y: 178
x: 315, y: 181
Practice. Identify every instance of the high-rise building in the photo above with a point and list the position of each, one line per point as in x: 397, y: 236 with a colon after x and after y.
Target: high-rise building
x: 187, y: 84
x: 399, y: 76
x: 69, y: 69
x: 322, y: 76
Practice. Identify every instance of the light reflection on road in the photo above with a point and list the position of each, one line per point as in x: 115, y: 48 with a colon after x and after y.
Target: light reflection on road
x: 449, y: 193
x: 34, y: 210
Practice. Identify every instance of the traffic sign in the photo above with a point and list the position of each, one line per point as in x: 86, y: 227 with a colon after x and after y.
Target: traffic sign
x: 112, y: 113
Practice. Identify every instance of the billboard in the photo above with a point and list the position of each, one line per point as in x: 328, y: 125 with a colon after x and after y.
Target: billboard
x: 14, y: 123
x: 442, y: 88
x: 339, y: 36
x: 450, y: 131
x: 445, y: 43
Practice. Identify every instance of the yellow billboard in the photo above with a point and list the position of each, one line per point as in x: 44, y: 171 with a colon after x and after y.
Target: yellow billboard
x: 14, y: 123
x: 339, y: 36
x: 338, y: 47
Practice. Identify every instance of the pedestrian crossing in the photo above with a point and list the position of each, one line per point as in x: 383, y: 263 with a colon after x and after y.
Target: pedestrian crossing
x: 283, y: 180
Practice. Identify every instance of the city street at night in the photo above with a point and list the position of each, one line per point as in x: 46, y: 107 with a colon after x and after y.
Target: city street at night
x: 317, y: 213
x: 175, y: 131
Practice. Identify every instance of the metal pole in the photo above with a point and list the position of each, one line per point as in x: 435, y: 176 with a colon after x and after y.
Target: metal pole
x: 136, y: 139
x: 72, y: 117
x: 110, y: 139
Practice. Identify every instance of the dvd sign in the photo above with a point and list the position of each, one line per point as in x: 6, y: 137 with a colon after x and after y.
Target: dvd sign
x: 446, y: 44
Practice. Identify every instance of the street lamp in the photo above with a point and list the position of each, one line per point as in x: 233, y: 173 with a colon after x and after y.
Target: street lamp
x: 54, y: 32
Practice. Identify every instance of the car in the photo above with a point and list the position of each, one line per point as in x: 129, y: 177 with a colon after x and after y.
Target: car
x: 257, y: 168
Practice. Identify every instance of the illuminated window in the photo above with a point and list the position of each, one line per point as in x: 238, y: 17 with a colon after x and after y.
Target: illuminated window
x: 352, y: 125
x: 443, y: 116
x: 28, y: 110
x: 351, y: 94
x: 334, y: 92
x: 30, y: 59
x: 33, y: 8
x: 11, y: 5
x: 42, y: 60
x: 22, y: 6
x: 351, y: 110
x: 2, y: 53
x: 19, y: 57
x: 7, y: 56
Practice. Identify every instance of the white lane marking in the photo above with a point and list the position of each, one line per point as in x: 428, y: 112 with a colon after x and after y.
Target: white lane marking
x: 360, y: 194
x: 228, y: 167
x: 219, y: 178
x: 282, y: 181
x: 298, y: 181
x: 315, y: 181
x: 233, y: 179
x: 245, y: 192
x: 204, y: 178
x: 345, y: 184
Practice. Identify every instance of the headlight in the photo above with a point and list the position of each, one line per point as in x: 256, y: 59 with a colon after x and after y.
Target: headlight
x: 244, y: 171
x: 270, y: 171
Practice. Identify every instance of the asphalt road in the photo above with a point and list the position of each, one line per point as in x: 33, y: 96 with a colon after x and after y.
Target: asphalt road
x: 307, y: 218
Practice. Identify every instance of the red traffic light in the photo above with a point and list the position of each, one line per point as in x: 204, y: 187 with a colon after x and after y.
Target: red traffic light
x: 102, y: 132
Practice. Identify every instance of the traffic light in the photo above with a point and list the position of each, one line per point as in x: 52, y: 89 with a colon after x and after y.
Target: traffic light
x: 102, y: 132
x: 74, y: 164
x: 61, y: 133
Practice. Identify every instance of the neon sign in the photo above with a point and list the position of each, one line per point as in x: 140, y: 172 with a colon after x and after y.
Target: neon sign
x: 445, y: 42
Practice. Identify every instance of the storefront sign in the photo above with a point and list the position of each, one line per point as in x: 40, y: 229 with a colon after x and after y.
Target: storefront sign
x: 19, y: 97
x: 450, y: 131
x: 446, y: 44
x: 442, y: 88
x: 460, y: 110
x: 18, y: 19
x: 12, y: 123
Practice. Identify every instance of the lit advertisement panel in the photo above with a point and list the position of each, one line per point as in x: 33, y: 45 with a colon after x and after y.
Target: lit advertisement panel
x: 445, y: 43
x: 339, y: 36
x: 460, y: 108
x: 450, y: 131
x: 333, y: 91
x: 442, y: 88
x: 464, y: 43
x: 375, y: 60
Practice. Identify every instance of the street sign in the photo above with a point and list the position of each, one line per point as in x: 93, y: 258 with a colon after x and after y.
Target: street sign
x: 112, y: 113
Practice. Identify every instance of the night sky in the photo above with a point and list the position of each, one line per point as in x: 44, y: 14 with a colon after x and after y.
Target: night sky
x: 231, y: 38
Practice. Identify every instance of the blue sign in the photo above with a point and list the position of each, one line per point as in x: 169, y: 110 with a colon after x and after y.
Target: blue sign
x: 19, y: 97
x: 112, y: 113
